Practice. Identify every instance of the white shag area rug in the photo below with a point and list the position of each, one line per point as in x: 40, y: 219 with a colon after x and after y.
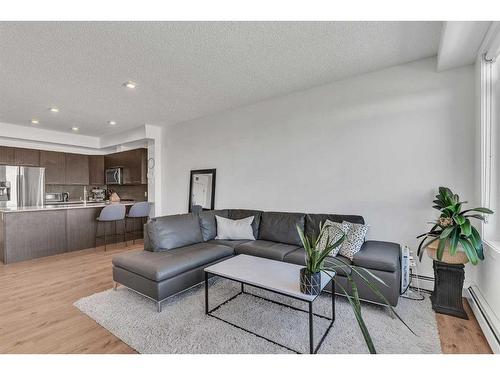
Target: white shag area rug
x: 183, y: 327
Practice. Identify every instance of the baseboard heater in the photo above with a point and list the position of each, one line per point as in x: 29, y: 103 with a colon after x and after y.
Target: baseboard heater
x: 426, y: 282
x: 486, y: 318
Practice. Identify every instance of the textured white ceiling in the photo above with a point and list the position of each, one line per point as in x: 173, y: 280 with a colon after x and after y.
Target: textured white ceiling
x: 185, y: 70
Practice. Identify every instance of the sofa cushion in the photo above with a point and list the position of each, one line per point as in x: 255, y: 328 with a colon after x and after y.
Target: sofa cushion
x: 333, y: 232
x: 354, y: 240
x: 265, y: 249
x: 236, y: 214
x: 170, y: 232
x: 379, y: 255
x: 230, y: 243
x: 158, y: 266
x: 313, y: 220
x: 299, y: 257
x: 208, y: 224
x: 281, y: 227
x: 228, y: 229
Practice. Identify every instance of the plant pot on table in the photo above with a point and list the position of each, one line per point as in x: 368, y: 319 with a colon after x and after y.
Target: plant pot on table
x: 310, y: 283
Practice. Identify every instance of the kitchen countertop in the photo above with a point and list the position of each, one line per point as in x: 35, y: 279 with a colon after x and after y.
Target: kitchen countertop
x: 48, y: 207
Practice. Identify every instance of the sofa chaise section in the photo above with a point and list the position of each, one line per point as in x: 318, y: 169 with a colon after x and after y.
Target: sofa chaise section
x: 174, y: 262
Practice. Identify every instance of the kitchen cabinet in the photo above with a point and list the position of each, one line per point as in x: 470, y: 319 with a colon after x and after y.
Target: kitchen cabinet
x: 26, y: 157
x: 55, y: 167
x: 96, y: 170
x: 134, y: 164
x: 34, y: 234
x: 7, y: 155
x: 77, y: 169
x: 81, y: 228
x: 29, y: 235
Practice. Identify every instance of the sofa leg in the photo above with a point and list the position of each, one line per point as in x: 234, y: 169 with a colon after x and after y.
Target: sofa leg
x: 159, y: 306
x: 115, y: 285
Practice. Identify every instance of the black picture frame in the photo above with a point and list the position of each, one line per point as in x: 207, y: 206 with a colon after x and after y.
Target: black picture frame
x: 212, y: 197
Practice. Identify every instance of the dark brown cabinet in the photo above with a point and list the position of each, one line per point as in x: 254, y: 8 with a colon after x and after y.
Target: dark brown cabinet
x: 29, y: 235
x: 134, y: 164
x: 96, y: 170
x: 27, y: 157
x: 55, y: 167
x: 81, y: 228
x: 7, y: 155
x: 77, y: 169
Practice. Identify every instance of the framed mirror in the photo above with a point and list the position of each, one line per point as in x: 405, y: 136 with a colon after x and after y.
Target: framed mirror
x: 202, y: 190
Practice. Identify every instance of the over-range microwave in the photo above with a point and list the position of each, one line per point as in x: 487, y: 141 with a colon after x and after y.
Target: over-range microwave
x: 114, y: 176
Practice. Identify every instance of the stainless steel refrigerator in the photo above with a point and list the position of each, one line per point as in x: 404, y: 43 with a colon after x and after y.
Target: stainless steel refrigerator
x: 21, y: 186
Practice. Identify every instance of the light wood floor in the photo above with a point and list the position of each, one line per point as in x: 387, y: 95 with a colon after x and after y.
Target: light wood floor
x: 37, y: 313
x: 460, y: 336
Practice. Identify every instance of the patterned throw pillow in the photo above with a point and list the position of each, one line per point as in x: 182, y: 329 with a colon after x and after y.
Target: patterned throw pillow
x: 332, y: 234
x: 354, y: 239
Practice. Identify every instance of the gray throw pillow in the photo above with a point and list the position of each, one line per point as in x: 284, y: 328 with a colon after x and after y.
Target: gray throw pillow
x: 354, y: 240
x: 228, y: 229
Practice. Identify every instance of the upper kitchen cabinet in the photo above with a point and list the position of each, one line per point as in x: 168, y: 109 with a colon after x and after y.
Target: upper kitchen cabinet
x: 27, y: 157
x: 7, y: 155
x: 134, y: 164
x: 96, y: 170
x: 77, y: 169
x: 55, y: 167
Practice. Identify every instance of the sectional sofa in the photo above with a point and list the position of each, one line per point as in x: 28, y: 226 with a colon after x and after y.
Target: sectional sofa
x: 177, y: 248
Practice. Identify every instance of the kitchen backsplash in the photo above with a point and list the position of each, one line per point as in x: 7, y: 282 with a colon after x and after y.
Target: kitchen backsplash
x: 135, y: 192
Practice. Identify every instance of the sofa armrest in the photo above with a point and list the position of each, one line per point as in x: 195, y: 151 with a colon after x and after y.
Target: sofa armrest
x: 379, y: 255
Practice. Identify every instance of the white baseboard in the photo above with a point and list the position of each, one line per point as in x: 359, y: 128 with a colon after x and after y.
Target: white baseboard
x: 489, y: 323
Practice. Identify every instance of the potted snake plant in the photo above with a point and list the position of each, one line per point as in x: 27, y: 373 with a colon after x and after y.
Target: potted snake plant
x: 317, y: 261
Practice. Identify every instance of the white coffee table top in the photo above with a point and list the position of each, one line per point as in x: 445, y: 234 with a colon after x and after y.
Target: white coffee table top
x: 270, y: 274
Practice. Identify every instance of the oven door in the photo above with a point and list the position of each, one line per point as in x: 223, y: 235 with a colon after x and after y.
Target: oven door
x: 114, y: 176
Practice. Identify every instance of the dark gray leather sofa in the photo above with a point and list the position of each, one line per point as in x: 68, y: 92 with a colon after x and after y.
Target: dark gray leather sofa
x: 179, y: 247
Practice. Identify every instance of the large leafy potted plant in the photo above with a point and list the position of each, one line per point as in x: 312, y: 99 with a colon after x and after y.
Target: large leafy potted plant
x: 451, y: 242
x: 452, y: 238
x: 317, y: 261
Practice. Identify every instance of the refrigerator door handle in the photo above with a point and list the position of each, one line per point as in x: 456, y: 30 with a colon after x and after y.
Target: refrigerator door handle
x: 20, y: 189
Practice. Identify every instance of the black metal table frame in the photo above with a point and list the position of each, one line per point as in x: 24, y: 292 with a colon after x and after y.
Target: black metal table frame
x: 312, y: 348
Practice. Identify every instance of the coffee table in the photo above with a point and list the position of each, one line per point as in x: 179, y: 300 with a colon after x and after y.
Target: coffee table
x: 273, y: 276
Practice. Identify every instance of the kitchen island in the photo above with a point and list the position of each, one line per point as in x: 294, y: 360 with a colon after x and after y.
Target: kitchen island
x: 38, y: 231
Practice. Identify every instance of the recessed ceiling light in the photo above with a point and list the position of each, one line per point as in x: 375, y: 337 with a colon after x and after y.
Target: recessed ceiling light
x: 54, y: 109
x: 130, y: 85
x: 75, y: 129
x: 112, y: 122
x: 35, y: 121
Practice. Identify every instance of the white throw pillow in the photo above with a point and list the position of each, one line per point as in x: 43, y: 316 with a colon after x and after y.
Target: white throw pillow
x: 228, y: 229
x: 354, y: 239
x: 333, y: 233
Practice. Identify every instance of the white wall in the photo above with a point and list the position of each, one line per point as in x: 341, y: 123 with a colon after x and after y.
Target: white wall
x: 378, y: 145
x: 487, y: 276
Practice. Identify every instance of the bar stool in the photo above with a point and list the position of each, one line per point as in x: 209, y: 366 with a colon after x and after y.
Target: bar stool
x: 139, y: 210
x: 109, y: 214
